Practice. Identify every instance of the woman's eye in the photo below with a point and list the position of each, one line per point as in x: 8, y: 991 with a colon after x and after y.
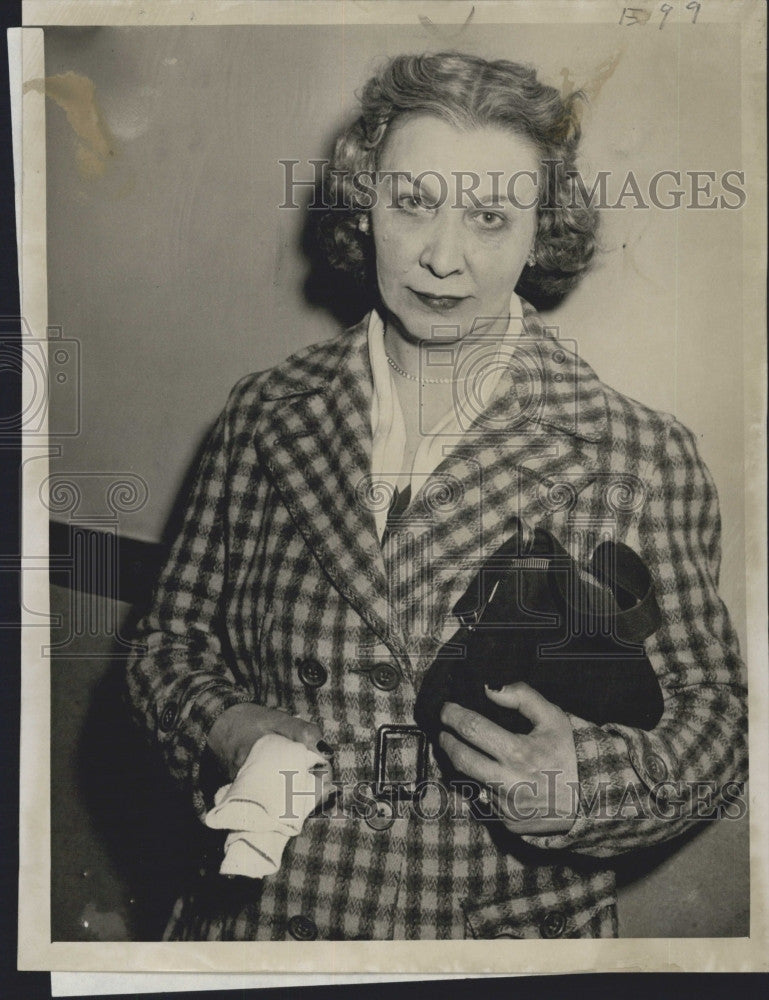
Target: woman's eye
x: 490, y: 220
x: 410, y: 203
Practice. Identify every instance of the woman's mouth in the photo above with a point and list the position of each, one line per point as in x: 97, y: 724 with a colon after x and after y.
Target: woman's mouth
x: 438, y: 303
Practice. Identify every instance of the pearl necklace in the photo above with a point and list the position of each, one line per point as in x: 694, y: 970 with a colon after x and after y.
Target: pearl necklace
x: 422, y: 381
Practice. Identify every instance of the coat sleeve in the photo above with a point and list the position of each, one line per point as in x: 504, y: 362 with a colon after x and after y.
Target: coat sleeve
x: 639, y: 788
x: 178, y: 681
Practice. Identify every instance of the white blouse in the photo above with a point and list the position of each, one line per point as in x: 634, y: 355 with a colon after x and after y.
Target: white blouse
x: 388, y: 428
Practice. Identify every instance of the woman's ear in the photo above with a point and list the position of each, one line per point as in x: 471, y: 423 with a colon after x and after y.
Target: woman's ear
x: 363, y: 223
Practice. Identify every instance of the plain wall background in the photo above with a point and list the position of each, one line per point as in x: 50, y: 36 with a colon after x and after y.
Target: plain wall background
x: 177, y: 273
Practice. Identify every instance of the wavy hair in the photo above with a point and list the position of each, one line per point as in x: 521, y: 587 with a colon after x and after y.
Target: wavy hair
x: 468, y: 92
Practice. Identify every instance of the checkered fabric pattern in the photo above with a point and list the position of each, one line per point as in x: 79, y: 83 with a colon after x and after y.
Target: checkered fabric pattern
x: 278, y: 564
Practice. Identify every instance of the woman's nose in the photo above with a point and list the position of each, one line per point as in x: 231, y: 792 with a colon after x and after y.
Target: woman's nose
x: 443, y: 252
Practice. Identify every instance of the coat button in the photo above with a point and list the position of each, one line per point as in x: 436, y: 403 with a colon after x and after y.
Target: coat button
x: 383, y: 816
x: 385, y: 676
x: 168, y: 717
x: 312, y: 674
x: 553, y: 925
x: 302, y: 928
x: 655, y: 767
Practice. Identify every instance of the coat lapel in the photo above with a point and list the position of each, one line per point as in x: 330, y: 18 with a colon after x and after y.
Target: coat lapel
x: 526, y: 458
x: 315, y: 441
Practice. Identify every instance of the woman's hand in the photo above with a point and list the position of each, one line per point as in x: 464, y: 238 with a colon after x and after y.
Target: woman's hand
x: 240, y: 726
x: 530, y: 780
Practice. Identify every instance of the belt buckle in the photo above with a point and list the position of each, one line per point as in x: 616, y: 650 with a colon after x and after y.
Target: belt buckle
x: 398, y: 789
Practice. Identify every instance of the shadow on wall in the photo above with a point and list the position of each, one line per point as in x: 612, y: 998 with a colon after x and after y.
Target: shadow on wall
x: 125, y: 839
x: 146, y: 827
x: 327, y: 287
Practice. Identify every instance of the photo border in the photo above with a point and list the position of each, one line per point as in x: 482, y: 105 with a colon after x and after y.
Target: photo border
x: 36, y: 951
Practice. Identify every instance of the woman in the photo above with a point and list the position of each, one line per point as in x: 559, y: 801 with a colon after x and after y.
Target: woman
x: 291, y: 603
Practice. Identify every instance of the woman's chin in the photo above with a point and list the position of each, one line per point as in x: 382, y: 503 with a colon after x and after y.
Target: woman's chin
x: 436, y: 329
x: 443, y: 327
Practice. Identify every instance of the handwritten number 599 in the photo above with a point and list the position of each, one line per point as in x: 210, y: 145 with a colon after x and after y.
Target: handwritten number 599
x: 641, y: 15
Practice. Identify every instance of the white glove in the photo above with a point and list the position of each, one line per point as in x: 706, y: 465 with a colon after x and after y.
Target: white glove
x: 264, y: 807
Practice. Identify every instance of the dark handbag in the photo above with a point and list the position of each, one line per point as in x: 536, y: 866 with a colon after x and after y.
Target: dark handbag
x: 531, y: 615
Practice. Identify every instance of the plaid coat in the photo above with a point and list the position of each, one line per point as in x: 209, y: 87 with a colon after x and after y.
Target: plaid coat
x: 277, y: 590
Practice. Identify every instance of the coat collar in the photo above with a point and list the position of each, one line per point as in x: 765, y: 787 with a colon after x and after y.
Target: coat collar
x: 313, y: 369
x: 550, y: 385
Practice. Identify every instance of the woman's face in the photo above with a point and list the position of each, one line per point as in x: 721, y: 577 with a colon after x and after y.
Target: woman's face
x: 450, y: 250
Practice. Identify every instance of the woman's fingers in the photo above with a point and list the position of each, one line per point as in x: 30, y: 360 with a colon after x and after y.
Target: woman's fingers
x: 530, y: 778
x: 525, y: 699
x: 478, y: 730
x: 302, y: 732
x: 237, y: 729
x: 469, y: 761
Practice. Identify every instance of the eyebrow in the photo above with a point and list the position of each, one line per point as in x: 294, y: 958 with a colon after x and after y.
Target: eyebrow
x: 491, y: 199
x: 403, y: 183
